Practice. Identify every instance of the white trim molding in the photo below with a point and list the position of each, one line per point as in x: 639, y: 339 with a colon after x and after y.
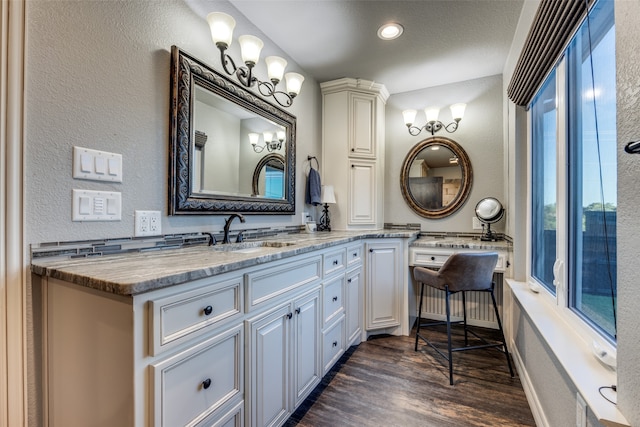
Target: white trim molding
x: 13, y: 260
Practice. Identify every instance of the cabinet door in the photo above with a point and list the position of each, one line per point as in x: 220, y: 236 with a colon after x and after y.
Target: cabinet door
x: 269, y: 372
x: 354, y: 306
x: 362, y: 141
x: 384, y: 284
x: 308, y: 366
x: 362, y: 193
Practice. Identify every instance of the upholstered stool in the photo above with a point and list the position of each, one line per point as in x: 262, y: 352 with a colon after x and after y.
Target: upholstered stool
x: 461, y: 272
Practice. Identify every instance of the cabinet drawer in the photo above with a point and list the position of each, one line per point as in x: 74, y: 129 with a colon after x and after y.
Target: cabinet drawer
x: 432, y: 259
x: 354, y: 254
x: 264, y: 286
x: 332, y: 299
x: 233, y: 417
x: 178, y: 317
x: 190, y: 386
x: 334, y: 261
x: 332, y: 345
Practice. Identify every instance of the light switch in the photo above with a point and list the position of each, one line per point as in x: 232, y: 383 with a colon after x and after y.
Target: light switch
x: 96, y: 165
x: 96, y: 205
x: 101, y: 166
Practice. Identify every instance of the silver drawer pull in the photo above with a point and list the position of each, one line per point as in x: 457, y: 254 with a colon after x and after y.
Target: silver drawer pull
x: 206, y: 383
x: 208, y: 310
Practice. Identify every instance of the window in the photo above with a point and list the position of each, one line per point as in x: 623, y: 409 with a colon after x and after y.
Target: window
x: 573, y: 201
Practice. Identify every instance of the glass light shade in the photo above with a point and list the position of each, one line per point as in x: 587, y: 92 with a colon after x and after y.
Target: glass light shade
x: 221, y: 26
x: 457, y: 111
x: 250, y: 46
x: 432, y: 114
x: 281, y: 135
x: 268, y: 136
x: 275, y: 67
x: 327, y: 195
x: 294, y: 83
x: 409, y: 116
x: 254, y: 138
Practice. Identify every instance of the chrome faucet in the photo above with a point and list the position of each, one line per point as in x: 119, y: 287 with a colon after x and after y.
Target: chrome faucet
x: 227, y: 225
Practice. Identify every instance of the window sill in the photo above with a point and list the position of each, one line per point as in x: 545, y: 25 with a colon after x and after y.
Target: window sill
x: 574, y: 354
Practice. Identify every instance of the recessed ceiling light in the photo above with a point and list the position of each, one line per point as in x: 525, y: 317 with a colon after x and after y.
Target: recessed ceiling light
x: 390, y: 31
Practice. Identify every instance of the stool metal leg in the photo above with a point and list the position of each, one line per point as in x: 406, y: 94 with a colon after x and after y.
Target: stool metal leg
x: 449, y: 335
x: 504, y: 341
x: 419, y: 314
x: 464, y: 314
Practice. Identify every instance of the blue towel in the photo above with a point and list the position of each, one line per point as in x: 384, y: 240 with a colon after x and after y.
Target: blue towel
x: 313, y: 188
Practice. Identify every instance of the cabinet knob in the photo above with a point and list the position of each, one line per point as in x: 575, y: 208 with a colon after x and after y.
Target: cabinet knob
x: 206, y: 383
x: 289, y: 315
x: 298, y: 310
x: 370, y: 250
x: 433, y: 258
x: 335, y: 299
x: 335, y: 343
x: 355, y: 254
x: 349, y: 280
x: 208, y: 310
x: 335, y: 262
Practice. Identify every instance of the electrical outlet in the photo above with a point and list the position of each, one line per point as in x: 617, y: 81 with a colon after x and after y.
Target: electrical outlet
x: 147, y: 223
x: 581, y: 411
x: 475, y: 222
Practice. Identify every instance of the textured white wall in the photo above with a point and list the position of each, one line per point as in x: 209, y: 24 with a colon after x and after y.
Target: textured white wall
x: 627, y: 17
x: 98, y: 76
x: 479, y: 134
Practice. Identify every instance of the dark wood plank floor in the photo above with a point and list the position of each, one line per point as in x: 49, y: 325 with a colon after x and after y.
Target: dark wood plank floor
x: 384, y: 382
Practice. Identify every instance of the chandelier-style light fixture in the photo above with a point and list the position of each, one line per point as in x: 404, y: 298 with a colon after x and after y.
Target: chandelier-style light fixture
x: 272, y: 141
x: 222, y: 26
x: 433, y: 124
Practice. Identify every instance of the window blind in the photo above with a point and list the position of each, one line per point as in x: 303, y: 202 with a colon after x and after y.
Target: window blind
x: 553, y: 26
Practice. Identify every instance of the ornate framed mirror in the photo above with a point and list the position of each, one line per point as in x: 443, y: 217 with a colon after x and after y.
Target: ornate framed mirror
x: 212, y: 160
x: 436, y: 177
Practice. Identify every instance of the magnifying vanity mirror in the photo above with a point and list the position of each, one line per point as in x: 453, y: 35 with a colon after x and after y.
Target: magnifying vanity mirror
x: 489, y: 211
x: 436, y: 177
x: 216, y: 167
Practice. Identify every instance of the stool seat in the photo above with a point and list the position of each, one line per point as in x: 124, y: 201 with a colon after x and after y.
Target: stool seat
x: 461, y: 272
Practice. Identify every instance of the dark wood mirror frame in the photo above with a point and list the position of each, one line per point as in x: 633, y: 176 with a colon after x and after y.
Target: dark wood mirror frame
x: 466, y: 179
x: 187, y: 71
x: 261, y: 164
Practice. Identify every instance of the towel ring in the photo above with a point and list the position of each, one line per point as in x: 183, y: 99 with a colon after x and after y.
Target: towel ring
x: 309, y: 158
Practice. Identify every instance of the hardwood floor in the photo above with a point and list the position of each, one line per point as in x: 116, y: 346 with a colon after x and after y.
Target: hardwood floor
x: 384, y: 382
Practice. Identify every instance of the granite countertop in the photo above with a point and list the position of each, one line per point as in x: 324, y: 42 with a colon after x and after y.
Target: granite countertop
x: 460, y: 243
x: 135, y: 273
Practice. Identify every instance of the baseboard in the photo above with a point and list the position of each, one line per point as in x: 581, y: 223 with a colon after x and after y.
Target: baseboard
x: 534, y: 403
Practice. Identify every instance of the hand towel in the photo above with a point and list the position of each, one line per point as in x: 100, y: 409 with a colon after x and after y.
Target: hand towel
x: 313, y: 188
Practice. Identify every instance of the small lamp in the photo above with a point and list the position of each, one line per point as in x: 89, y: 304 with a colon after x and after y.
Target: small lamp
x: 326, y: 196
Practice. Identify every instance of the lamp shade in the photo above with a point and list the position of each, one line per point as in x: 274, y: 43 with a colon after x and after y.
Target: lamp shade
x: 432, y: 114
x: 250, y: 47
x: 281, y: 135
x: 275, y: 67
x: 294, y: 83
x: 268, y: 136
x: 457, y: 111
x: 327, y: 195
x: 254, y: 138
x: 409, y: 117
x: 221, y: 26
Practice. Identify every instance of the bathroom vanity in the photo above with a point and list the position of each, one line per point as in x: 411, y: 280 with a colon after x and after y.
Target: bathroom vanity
x: 225, y: 335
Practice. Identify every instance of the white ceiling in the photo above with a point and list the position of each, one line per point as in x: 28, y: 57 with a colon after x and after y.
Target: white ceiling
x: 444, y: 41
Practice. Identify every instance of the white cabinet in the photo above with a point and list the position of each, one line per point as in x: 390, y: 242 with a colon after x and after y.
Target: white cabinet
x: 384, y: 284
x: 284, y: 363
x: 353, y: 151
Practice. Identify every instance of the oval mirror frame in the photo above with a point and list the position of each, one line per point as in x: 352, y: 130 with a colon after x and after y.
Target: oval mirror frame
x: 261, y: 164
x: 186, y: 73
x: 466, y: 178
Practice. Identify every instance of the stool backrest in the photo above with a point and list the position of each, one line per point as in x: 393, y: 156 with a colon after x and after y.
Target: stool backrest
x: 469, y: 271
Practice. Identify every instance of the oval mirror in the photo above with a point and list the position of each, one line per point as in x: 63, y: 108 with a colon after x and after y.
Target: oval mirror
x: 436, y: 177
x: 268, y: 177
x: 489, y: 210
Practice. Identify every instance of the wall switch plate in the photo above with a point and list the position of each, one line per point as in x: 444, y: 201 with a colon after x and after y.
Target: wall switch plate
x: 581, y: 411
x: 96, y: 205
x: 96, y: 165
x: 147, y: 223
x: 477, y: 225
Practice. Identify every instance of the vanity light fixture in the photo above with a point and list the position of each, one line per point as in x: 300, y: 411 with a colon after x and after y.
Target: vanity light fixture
x: 222, y: 26
x: 433, y: 124
x: 270, y: 143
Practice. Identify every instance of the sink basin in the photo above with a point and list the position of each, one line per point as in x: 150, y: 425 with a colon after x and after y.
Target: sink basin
x: 250, y: 247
